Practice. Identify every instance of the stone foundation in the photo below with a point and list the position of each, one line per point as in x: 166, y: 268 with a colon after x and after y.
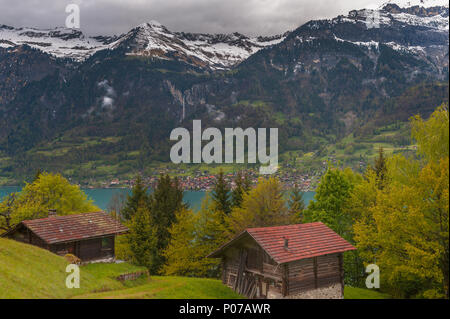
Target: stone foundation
x: 330, y: 292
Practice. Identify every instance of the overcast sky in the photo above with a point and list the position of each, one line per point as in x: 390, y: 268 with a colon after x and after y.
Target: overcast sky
x: 252, y: 17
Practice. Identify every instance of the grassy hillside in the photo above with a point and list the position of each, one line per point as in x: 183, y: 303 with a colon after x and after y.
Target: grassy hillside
x: 170, y: 288
x: 30, y: 272
x: 360, y: 293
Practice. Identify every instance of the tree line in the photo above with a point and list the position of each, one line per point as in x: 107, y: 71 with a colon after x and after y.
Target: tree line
x: 169, y: 238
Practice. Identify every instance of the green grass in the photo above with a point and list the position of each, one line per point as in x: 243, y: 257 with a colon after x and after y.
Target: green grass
x: 30, y: 272
x: 361, y: 293
x: 157, y: 287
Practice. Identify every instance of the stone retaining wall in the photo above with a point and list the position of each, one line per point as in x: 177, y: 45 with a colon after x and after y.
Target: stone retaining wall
x: 133, y: 275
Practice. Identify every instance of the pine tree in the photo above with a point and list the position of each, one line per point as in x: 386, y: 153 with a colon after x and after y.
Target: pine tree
x: 221, y: 194
x: 243, y: 186
x: 296, y: 205
x: 380, y: 168
x: 237, y: 192
x: 138, y: 196
x: 165, y: 202
x: 247, y: 183
x: 142, y: 237
x: 37, y: 175
x: 181, y: 255
x: 194, y: 236
x: 211, y: 233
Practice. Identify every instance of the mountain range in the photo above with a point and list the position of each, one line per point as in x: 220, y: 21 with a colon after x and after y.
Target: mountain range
x: 77, y: 104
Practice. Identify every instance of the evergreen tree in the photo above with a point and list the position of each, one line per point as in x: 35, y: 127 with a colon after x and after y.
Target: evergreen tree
x: 194, y: 236
x: 221, y: 194
x: 141, y: 238
x: 37, y: 175
x: 138, y: 196
x: 181, y: 255
x: 242, y: 186
x: 380, y: 168
x: 247, y: 183
x: 165, y: 202
x: 296, y: 204
x: 237, y: 192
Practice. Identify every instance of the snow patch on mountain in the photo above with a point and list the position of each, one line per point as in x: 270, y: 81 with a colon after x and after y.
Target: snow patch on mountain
x: 438, y: 22
x: 58, y: 42
x: 218, y: 51
x: 215, y: 51
x: 420, y: 3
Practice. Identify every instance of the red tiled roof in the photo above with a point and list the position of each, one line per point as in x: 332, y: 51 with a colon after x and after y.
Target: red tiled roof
x: 74, y: 227
x: 304, y: 241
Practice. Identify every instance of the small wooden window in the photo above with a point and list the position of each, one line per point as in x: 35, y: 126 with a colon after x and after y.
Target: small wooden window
x: 107, y: 243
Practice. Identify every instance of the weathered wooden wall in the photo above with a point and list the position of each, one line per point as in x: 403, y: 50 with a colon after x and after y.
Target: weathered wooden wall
x: 313, y: 273
x: 250, y: 271
x: 92, y: 249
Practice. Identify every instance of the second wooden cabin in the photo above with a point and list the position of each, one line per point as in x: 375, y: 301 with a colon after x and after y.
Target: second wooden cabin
x: 294, y: 261
x: 89, y: 236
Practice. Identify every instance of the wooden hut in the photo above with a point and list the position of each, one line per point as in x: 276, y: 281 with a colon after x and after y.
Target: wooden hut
x: 294, y: 261
x: 88, y: 236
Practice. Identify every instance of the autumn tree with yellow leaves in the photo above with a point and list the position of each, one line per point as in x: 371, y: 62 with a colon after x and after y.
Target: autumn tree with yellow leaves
x: 403, y: 227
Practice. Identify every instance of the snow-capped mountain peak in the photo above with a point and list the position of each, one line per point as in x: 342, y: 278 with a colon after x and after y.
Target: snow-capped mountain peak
x: 216, y: 51
x: 431, y: 14
x: 59, y: 42
x: 151, y: 39
x: 223, y: 51
x: 419, y: 3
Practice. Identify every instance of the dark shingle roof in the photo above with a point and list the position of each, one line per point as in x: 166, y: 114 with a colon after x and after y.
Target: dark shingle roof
x: 58, y: 229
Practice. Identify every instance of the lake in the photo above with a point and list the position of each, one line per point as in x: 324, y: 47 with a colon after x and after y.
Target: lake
x: 102, y: 196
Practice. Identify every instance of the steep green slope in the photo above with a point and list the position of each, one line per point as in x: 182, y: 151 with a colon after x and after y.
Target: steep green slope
x: 361, y: 293
x: 170, y: 288
x: 30, y: 272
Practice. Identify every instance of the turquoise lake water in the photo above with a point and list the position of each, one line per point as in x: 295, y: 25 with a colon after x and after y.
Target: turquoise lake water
x: 102, y: 196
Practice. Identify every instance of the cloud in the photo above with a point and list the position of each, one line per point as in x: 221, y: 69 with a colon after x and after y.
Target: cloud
x: 108, y: 98
x: 107, y: 17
